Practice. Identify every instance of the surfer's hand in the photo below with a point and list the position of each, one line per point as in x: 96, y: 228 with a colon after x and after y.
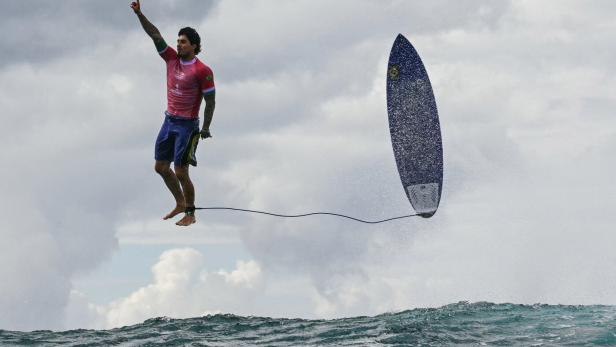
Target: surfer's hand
x: 205, y: 133
x: 136, y: 6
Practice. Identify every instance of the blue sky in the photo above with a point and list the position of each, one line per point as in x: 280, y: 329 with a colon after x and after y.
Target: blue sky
x: 526, y: 95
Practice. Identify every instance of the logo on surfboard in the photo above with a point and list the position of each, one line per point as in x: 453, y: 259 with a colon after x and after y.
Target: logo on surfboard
x: 394, y: 72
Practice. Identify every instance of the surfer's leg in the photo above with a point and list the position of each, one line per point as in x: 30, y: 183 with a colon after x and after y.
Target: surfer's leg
x: 163, y: 168
x: 189, y: 194
x: 163, y: 156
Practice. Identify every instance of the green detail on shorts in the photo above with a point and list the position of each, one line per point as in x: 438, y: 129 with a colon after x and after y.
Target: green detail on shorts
x: 189, y: 156
x: 209, y: 77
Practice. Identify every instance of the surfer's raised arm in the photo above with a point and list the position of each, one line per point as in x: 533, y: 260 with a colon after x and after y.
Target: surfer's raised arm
x: 149, y: 28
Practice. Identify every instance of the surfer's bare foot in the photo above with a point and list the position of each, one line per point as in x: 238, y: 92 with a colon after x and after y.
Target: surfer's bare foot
x: 177, y: 210
x: 187, y: 220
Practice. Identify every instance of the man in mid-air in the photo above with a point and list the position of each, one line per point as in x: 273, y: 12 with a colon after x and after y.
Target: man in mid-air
x: 188, y: 80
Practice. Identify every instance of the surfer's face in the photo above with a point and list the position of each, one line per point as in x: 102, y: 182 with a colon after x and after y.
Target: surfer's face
x: 184, y: 48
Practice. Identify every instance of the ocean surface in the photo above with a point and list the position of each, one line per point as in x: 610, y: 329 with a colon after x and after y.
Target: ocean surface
x: 459, y: 324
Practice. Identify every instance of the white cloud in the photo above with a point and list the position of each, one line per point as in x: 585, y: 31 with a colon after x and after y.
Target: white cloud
x: 247, y: 274
x: 182, y: 287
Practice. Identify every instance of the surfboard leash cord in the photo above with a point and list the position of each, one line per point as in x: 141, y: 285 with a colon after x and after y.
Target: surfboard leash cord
x: 305, y: 214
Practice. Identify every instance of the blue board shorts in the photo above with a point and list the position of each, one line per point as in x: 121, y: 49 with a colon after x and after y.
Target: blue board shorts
x: 177, y: 140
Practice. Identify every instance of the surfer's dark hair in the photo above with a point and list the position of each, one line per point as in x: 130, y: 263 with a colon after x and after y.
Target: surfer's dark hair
x: 193, y: 37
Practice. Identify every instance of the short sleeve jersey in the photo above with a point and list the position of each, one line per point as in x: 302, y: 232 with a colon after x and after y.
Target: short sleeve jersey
x: 187, y: 81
